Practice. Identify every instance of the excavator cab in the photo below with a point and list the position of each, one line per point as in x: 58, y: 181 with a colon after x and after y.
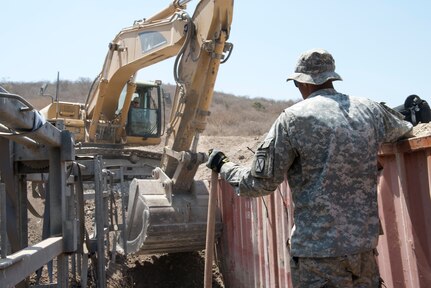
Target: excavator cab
x: 139, y: 122
x: 145, y: 113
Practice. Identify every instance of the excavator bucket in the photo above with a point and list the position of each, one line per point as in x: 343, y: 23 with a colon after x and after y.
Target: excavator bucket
x: 161, y: 222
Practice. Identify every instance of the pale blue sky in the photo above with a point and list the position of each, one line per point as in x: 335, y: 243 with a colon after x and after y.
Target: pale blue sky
x: 382, y: 48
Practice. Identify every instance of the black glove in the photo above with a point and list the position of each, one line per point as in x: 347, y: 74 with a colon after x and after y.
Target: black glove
x: 216, y: 159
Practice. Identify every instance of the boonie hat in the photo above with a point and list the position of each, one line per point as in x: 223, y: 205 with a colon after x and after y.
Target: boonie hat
x: 315, y: 67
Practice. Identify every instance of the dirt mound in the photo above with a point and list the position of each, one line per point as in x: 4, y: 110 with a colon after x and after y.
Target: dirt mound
x: 239, y: 149
x: 165, y: 271
x: 422, y: 130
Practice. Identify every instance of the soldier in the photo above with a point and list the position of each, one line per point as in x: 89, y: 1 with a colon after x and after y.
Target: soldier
x: 135, y: 102
x: 327, y: 148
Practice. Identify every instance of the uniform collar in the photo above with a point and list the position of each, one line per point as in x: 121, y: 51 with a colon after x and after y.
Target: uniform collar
x: 327, y: 91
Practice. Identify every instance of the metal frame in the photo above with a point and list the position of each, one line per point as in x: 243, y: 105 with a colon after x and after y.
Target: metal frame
x: 22, y: 126
x: 25, y: 138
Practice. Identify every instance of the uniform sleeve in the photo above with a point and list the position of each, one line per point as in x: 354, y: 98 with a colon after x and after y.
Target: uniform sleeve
x: 271, y: 161
x: 392, y: 126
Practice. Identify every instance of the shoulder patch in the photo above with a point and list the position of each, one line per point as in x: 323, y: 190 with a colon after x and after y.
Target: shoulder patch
x: 264, y: 160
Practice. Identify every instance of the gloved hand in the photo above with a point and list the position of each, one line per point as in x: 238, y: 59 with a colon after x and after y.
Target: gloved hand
x: 216, y: 159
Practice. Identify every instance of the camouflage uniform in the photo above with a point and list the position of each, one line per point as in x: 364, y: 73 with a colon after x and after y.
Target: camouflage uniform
x: 327, y: 146
x: 358, y: 270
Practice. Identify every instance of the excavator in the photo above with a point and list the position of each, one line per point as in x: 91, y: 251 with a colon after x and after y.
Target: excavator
x: 167, y: 208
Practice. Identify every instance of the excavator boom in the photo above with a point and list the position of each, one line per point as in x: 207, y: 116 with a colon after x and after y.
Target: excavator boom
x: 197, y: 73
x: 168, y: 213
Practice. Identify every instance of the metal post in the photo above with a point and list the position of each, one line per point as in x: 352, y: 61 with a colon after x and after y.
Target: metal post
x: 3, y: 227
x: 57, y: 208
x: 63, y: 270
x: 123, y: 211
x: 7, y: 174
x: 70, y: 222
x: 56, y: 190
x: 22, y: 210
x: 100, y: 221
x: 209, y: 247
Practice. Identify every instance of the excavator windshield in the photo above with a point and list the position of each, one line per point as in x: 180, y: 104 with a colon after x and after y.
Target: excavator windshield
x: 144, y: 116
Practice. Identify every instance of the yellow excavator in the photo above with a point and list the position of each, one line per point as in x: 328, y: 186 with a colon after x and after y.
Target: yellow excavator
x: 167, y: 209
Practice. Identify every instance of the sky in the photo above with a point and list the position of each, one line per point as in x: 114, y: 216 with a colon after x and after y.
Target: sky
x: 382, y: 48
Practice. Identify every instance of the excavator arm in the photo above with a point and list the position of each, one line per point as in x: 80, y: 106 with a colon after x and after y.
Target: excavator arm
x: 168, y: 213
x: 195, y: 72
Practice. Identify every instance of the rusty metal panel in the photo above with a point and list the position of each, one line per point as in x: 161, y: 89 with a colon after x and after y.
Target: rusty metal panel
x: 253, y: 248
x: 405, y: 212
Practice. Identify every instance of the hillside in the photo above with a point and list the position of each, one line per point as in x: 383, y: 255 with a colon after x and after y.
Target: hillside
x: 230, y: 115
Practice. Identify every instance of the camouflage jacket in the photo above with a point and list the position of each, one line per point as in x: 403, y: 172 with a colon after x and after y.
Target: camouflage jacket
x: 327, y: 146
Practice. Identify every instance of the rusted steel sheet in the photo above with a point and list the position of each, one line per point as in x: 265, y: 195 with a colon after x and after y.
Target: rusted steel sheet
x: 253, y: 248
x: 405, y: 211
